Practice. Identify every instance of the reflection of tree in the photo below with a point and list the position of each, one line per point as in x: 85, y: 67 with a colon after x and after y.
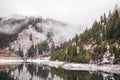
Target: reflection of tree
x: 5, y: 76
x: 5, y: 70
x: 75, y: 75
x: 110, y: 76
x: 42, y: 72
x: 38, y: 71
x: 96, y: 77
x: 31, y: 69
x: 116, y: 76
x: 71, y: 75
x: 5, y: 67
x: 21, y: 74
x: 20, y: 67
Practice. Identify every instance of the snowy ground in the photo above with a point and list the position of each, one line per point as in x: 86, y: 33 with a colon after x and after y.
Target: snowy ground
x: 78, y: 66
x: 70, y: 66
x: 92, y: 67
x: 10, y: 60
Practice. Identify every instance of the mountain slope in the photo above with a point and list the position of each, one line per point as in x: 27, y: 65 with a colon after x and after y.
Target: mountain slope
x: 99, y: 44
x: 33, y: 35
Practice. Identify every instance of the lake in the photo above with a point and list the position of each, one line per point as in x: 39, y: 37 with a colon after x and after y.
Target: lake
x: 30, y: 71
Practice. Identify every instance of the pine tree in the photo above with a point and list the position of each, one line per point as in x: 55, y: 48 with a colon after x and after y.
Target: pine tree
x: 105, y: 19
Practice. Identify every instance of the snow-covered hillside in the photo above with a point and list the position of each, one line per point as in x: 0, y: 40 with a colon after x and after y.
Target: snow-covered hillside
x: 32, y: 31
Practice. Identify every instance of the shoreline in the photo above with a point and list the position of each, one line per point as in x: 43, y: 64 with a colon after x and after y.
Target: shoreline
x: 79, y: 66
x: 10, y: 60
x: 68, y: 66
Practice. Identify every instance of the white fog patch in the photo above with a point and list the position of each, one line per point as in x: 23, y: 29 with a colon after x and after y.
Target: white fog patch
x: 9, y: 28
x: 61, y: 33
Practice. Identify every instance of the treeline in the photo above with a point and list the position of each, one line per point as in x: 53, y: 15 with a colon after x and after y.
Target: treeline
x: 102, y: 33
x: 72, y: 51
x: 108, y: 28
x: 5, y: 39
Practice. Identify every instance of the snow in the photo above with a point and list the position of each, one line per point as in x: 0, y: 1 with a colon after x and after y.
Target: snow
x: 93, y: 67
x: 108, y: 57
x: 79, y: 66
x: 24, y: 41
x: 7, y: 61
x: 9, y: 28
x: 15, y: 16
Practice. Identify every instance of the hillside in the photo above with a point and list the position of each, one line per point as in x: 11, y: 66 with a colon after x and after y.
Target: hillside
x: 100, y: 44
x: 32, y: 36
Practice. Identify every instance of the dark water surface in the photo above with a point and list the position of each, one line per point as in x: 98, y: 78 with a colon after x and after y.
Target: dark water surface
x: 27, y: 71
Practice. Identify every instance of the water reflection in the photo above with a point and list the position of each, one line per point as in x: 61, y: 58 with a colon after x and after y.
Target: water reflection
x: 7, y: 67
x: 5, y: 70
x: 41, y: 72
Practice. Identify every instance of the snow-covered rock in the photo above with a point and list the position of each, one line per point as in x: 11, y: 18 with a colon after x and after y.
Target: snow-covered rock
x: 26, y: 39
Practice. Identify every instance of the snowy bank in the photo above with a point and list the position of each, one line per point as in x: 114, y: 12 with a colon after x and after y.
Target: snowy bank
x: 78, y: 66
x: 92, y: 67
x: 10, y: 60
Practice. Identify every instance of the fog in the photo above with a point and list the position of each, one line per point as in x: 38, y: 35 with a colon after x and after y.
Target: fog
x: 59, y: 31
x: 80, y: 12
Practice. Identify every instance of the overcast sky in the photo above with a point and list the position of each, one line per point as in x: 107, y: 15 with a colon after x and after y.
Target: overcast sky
x: 71, y: 11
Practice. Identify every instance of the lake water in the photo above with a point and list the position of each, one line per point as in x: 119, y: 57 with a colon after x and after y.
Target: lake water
x: 29, y: 71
